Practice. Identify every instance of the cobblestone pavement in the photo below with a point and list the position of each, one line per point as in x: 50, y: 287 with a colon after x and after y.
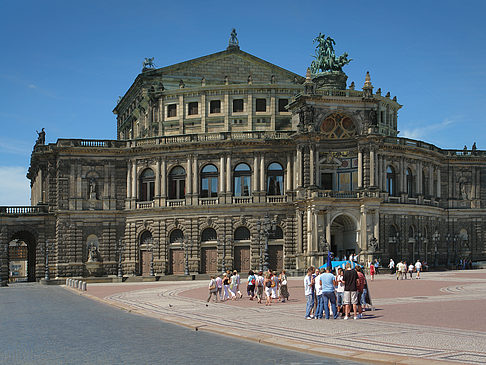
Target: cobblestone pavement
x: 436, y: 319
x: 49, y: 325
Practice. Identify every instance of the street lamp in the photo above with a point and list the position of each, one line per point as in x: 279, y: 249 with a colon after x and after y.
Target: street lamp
x: 119, y: 251
x: 266, y: 226
x: 435, y: 239
x: 46, y: 263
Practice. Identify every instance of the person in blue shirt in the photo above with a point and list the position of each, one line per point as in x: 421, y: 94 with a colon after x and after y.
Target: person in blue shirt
x: 328, y: 281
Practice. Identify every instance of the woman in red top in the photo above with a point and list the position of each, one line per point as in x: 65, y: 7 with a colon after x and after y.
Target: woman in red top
x: 372, y: 271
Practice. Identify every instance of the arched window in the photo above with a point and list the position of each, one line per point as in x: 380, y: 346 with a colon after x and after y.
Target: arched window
x: 275, y: 176
x: 277, y: 234
x: 209, y: 181
x: 410, y: 179
x: 391, y: 181
x: 209, y: 234
x: 241, y: 180
x: 146, y: 238
x: 242, y: 234
x: 147, y: 185
x: 177, y: 183
x: 176, y: 236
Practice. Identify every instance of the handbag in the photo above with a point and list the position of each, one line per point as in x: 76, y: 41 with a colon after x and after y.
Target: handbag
x: 212, y: 287
x: 284, y: 282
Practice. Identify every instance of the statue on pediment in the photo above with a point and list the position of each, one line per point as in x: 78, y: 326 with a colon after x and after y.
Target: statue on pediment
x: 148, y: 63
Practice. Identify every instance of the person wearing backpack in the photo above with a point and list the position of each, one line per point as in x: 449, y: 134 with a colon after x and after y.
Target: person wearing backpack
x: 212, y: 289
x: 250, y: 288
x: 259, y: 286
x: 267, y: 283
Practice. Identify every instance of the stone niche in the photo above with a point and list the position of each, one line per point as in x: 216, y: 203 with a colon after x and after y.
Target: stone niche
x: 94, y: 264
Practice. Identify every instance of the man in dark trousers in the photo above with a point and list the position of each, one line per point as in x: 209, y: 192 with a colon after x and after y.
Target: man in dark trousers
x: 350, y: 279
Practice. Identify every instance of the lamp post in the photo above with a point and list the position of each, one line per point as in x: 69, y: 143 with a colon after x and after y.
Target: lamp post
x: 266, y: 226
x: 435, y: 239
x: 222, y: 242
x: 119, y: 250
x: 47, y: 276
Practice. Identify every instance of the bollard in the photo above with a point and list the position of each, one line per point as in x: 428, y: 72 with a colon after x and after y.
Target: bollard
x: 76, y: 284
x: 83, y: 286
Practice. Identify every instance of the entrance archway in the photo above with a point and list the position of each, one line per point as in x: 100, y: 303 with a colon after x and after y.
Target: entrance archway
x: 343, y: 236
x: 22, y: 257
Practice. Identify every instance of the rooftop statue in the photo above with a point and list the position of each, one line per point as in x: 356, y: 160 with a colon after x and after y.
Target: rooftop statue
x: 148, y: 63
x: 325, y: 58
x: 233, y: 41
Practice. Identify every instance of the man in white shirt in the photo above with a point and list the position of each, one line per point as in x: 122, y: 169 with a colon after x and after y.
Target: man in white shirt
x: 339, y: 289
x: 391, y: 266
x: 309, y: 295
x: 319, y: 298
x: 418, y: 268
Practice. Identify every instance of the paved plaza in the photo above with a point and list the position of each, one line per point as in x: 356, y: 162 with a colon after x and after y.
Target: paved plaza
x: 49, y: 325
x: 436, y: 319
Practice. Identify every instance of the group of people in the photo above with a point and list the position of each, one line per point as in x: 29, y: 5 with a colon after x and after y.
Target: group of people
x: 261, y: 285
x: 334, y: 295
x: 402, y: 269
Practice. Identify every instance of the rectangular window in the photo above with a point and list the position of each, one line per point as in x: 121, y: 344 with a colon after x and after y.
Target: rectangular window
x: 261, y: 105
x: 344, y: 181
x: 192, y: 108
x: 215, y: 106
x: 171, y: 110
x: 238, y: 106
x: 282, y: 103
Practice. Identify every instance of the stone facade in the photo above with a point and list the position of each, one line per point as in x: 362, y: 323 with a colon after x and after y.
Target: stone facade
x: 217, y: 155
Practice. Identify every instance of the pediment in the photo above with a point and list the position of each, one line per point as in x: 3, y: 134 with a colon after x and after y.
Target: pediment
x: 235, y: 64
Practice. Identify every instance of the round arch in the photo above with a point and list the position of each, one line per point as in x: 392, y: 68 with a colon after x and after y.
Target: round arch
x: 344, y: 235
x: 22, y: 256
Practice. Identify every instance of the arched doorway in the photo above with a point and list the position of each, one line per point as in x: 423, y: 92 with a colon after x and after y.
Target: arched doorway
x: 343, y: 236
x: 146, y: 253
x: 22, y: 257
x: 275, y: 250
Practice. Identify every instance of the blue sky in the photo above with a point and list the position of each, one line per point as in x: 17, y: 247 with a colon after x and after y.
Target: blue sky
x: 63, y: 64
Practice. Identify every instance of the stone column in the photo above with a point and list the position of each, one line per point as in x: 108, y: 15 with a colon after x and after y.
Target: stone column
x: 312, y: 167
x: 129, y: 179
x: 250, y: 111
x: 309, y: 230
x: 377, y: 225
x: 255, y: 174
x: 228, y: 174
x: 360, y: 169
x: 419, y: 178
x: 262, y: 173
x: 163, y: 182
x: 431, y: 180
x: 299, y: 230
x: 272, y: 111
x: 328, y: 226
x: 134, y: 179
x: 363, y: 233
x: 189, y: 176
x: 226, y: 112
x: 372, y: 167
x: 318, y: 169
x: 221, y: 175
x: 157, y: 180
x: 383, y: 176
x: 195, y: 178
x: 289, y: 174
x: 203, y: 112
x: 298, y: 169
x: 401, y: 176
x: 438, y: 182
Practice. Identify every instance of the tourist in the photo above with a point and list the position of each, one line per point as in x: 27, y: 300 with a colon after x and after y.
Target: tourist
x: 350, y: 278
x: 377, y: 266
x: 372, y: 271
x: 314, y: 275
x: 284, y: 291
x: 328, y: 282
x: 250, y: 288
x: 213, y: 290
x: 259, y: 286
x: 418, y: 268
x: 340, y: 290
x: 275, y: 286
x: 403, y: 270
x: 319, y: 298
x: 361, y: 291
x: 391, y: 266
x: 309, y: 293
x: 235, y: 284
x: 219, y: 286
x: 226, y: 285
x: 410, y: 270
x: 268, y: 288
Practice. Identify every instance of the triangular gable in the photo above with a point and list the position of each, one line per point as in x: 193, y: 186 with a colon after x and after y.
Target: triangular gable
x: 235, y: 64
